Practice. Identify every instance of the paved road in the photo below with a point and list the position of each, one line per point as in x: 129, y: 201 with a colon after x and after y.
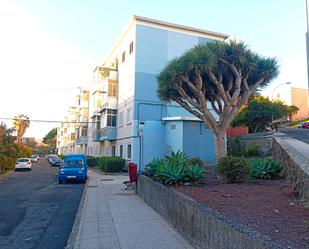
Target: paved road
x: 297, y: 133
x: 35, y: 211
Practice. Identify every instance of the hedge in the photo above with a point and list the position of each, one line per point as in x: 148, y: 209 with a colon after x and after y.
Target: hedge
x: 111, y: 164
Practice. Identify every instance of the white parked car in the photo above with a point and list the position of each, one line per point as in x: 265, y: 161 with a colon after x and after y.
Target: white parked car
x: 23, y: 163
x: 34, y: 158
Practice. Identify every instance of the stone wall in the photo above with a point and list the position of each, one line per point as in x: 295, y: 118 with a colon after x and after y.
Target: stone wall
x: 296, y: 166
x: 200, y: 225
x: 263, y: 139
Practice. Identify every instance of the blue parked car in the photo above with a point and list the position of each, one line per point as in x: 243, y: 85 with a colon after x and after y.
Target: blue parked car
x: 74, y: 167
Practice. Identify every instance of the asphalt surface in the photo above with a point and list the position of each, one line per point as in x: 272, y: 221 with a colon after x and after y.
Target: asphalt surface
x: 297, y: 133
x: 35, y: 211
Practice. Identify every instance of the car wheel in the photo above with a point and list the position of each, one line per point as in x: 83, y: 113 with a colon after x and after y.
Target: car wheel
x: 60, y: 181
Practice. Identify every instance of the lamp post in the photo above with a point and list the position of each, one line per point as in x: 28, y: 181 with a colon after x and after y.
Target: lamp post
x: 272, y: 98
x: 272, y: 94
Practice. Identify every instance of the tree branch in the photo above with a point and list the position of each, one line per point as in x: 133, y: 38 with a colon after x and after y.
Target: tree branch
x: 214, y: 107
x: 186, y: 79
x: 188, y: 108
x: 219, y: 85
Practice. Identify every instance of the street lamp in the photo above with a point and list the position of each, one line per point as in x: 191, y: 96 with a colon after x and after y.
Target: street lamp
x: 272, y: 94
x: 272, y: 98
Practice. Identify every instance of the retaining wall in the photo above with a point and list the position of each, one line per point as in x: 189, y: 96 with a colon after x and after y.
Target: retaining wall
x: 296, y: 166
x: 200, y: 225
x: 263, y: 139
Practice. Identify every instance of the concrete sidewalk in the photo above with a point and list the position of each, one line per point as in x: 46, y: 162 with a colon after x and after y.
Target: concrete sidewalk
x: 113, y: 218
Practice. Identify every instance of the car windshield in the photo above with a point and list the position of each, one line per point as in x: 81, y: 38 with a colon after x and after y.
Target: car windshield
x: 73, y: 163
x: 33, y: 156
x: 23, y: 160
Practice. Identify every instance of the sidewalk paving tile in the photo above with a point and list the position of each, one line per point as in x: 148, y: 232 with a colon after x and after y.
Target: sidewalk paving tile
x: 115, y: 218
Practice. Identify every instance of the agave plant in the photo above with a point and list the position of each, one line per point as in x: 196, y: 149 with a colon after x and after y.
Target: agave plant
x: 265, y: 168
x: 170, y: 173
x: 153, y: 166
x: 194, y: 174
x: 179, y: 158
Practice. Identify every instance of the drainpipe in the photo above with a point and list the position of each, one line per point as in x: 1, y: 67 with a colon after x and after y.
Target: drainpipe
x: 140, y: 132
x: 141, y: 138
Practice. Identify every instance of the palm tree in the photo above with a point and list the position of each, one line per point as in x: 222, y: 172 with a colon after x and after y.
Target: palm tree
x: 212, y: 81
x: 20, y: 123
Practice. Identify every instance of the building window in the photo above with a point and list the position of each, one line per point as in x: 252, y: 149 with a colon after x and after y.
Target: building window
x: 113, y: 150
x: 111, y: 118
x: 84, y: 131
x: 96, y: 123
x: 121, y: 151
x: 112, y: 89
x: 131, y: 47
x: 129, y: 115
x: 121, y: 118
x: 123, y: 57
x: 129, y: 151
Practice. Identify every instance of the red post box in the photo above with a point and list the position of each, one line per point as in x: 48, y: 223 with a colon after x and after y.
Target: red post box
x: 132, y: 172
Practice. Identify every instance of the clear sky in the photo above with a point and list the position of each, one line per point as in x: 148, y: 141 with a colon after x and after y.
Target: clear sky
x: 49, y: 48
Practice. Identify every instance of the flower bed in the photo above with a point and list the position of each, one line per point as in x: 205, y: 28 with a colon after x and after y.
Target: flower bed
x: 267, y: 206
x: 201, y: 226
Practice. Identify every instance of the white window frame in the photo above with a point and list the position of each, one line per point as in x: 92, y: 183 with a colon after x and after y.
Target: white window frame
x: 121, y: 150
x: 129, y: 157
x: 129, y: 115
x: 121, y: 121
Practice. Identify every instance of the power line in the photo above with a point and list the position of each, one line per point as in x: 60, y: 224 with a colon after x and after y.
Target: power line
x: 49, y: 121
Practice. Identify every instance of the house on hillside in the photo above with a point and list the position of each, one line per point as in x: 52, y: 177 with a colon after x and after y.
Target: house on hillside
x: 126, y: 117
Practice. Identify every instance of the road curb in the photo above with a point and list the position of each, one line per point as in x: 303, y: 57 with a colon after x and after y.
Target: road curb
x: 74, y: 231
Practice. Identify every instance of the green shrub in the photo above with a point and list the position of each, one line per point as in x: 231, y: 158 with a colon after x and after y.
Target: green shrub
x: 265, y: 169
x: 194, y: 174
x: 252, y: 150
x: 170, y: 173
x: 196, y: 161
x: 111, y: 164
x: 92, y: 161
x: 177, y: 158
x: 233, y: 168
x: 175, y: 169
x: 153, y: 166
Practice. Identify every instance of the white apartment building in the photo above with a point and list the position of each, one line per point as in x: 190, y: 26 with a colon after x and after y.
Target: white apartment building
x: 126, y: 118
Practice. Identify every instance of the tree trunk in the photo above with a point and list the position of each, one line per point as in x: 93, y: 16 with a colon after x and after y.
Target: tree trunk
x: 221, y: 150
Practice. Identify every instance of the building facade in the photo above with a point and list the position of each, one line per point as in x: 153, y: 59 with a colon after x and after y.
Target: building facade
x: 72, y: 133
x: 299, y: 98
x: 126, y: 117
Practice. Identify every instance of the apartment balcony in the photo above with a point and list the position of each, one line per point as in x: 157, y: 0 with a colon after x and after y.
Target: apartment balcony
x: 81, y: 140
x: 109, y: 102
x: 96, y: 136
x: 108, y: 133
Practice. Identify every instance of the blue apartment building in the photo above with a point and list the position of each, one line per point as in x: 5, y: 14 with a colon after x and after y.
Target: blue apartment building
x: 127, y: 118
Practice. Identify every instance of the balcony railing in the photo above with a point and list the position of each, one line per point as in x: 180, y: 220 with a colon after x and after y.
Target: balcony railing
x: 108, y: 133
x: 81, y: 140
x: 96, y: 136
